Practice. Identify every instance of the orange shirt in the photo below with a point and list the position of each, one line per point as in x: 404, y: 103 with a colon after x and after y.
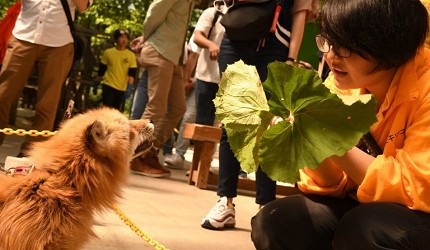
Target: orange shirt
x: 402, y: 173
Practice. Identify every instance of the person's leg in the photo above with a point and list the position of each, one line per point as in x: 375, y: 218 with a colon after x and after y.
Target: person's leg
x: 53, y: 66
x: 222, y: 214
x: 383, y: 226
x: 229, y: 166
x: 177, y: 160
x: 182, y: 144
x: 169, y: 145
x: 166, y: 105
x: 265, y: 188
x: 166, y: 95
x: 20, y: 57
x: 205, y: 108
x: 272, y: 51
x: 140, y: 97
x: 298, y: 222
x: 176, y: 105
x: 112, y: 97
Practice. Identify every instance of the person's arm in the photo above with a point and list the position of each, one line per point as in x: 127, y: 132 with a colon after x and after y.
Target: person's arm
x: 131, y: 74
x: 297, y: 31
x: 187, y: 71
x: 101, y: 72
x: 156, y: 15
x: 82, y: 5
x: 329, y: 173
x: 203, y: 42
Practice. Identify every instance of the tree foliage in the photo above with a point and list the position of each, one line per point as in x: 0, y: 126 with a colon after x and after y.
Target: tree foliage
x: 105, y: 16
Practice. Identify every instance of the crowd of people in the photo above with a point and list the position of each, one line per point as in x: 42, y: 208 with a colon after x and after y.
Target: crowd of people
x: 354, y: 201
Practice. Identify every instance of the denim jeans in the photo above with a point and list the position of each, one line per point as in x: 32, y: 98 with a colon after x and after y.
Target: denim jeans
x: 205, y: 108
x: 252, y: 54
x: 140, y: 97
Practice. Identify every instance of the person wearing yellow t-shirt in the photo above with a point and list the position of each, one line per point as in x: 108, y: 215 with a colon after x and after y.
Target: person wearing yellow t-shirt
x: 116, y: 71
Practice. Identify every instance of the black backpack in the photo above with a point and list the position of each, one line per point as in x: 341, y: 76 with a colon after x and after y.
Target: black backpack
x: 249, y: 19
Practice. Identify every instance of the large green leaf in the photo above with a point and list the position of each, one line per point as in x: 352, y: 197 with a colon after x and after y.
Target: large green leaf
x: 322, y: 124
x: 242, y: 107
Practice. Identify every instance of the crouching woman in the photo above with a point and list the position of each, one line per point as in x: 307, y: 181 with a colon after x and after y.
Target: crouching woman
x: 359, y: 201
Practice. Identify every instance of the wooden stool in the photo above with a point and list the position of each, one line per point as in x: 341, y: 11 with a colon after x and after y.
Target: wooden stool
x: 205, y: 138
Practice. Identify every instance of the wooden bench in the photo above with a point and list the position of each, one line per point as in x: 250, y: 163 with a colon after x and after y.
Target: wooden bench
x: 205, y: 139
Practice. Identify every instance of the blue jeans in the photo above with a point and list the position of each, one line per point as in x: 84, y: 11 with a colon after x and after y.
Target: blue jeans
x: 140, y: 97
x: 205, y: 108
x: 229, y: 166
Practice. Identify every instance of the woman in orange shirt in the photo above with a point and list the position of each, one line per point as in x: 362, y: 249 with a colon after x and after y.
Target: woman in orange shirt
x: 359, y: 201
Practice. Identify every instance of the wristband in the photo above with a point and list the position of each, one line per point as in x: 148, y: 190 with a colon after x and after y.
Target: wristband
x: 295, y: 61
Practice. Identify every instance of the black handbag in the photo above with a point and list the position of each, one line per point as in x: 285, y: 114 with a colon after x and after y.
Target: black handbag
x: 78, y: 42
x: 249, y: 19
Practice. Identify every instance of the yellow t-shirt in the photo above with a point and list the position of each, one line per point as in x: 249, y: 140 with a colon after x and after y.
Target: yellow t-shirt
x: 118, y: 62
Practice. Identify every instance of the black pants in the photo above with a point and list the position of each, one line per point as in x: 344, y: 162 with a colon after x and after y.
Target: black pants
x: 113, y: 98
x: 319, y: 222
x: 252, y: 54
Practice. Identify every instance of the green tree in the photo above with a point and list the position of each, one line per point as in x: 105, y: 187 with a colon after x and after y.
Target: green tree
x: 105, y: 16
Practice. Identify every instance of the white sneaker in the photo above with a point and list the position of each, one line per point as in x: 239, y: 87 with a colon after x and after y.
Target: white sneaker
x: 174, y: 161
x: 220, y: 216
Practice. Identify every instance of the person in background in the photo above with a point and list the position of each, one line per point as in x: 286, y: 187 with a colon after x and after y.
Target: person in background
x: 161, y: 48
x: 282, y: 45
x: 140, y: 98
x: 207, y: 35
x: 176, y: 159
x: 39, y: 38
x: 357, y: 200
x: 116, y: 72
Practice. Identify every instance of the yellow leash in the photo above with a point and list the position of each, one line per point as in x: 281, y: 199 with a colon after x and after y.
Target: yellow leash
x: 139, y: 232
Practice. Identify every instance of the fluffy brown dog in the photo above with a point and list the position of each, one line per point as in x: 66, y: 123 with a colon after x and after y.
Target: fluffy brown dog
x: 79, y: 172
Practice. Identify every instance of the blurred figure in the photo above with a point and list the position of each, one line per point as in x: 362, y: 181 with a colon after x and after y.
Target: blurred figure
x: 281, y: 45
x: 176, y: 159
x: 160, y: 49
x: 117, y: 70
x: 39, y: 38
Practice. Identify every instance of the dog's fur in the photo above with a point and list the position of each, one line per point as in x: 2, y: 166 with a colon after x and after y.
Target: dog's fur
x: 79, y: 172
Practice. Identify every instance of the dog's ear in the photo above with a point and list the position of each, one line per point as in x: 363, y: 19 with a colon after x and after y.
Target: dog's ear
x: 97, y: 132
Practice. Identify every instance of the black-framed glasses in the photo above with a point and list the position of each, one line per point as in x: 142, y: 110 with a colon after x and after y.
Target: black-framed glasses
x: 324, y: 46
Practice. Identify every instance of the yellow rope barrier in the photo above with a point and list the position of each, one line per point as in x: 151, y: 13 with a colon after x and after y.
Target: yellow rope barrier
x: 22, y: 132
x: 139, y: 232
x: 47, y: 133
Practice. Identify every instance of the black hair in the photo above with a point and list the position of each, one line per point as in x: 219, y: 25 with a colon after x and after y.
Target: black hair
x: 387, y: 31
x: 119, y: 32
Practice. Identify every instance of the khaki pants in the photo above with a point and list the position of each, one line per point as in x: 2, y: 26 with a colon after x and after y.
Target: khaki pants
x: 53, y: 65
x: 166, y: 94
